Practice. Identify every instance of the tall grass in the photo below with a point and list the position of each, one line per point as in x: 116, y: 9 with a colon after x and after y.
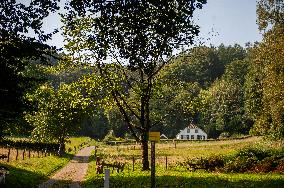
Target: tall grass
x: 30, y: 172
x: 175, y: 175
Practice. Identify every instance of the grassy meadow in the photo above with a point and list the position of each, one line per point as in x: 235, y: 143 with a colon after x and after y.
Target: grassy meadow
x: 30, y: 172
x: 175, y: 175
x: 170, y: 171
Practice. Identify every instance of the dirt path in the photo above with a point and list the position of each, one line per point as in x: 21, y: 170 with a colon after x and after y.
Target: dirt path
x: 74, y: 172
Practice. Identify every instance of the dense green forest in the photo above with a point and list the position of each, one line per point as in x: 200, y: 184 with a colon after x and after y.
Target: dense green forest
x: 221, y: 89
x: 225, y: 90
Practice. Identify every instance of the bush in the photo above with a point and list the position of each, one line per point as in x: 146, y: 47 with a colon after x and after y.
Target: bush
x: 209, y: 164
x: 250, y: 159
x: 253, y: 152
x: 268, y: 164
x: 36, y: 146
x: 240, y: 164
x: 224, y: 135
x: 110, y: 136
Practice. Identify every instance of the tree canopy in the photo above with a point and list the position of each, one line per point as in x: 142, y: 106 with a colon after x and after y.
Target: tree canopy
x: 139, y: 34
x: 17, y: 19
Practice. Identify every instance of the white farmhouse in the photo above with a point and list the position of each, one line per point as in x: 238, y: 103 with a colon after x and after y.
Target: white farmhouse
x: 192, y: 132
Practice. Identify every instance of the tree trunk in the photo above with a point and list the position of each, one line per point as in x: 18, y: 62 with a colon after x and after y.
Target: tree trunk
x: 145, y: 160
x: 61, y: 149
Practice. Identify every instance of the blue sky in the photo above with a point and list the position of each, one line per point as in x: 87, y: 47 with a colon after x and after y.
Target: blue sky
x: 221, y: 21
x: 229, y: 21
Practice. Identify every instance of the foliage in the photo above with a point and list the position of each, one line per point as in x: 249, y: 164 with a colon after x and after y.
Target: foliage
x: 31, y: 172
x: 224, y: 102
x: 95, y: 125
x: 249, y: 159
x: 36, y: 146
x: 199, y: 64
x: 268, y: 57
x: 175, y: 106
x: 138, y: 34
x: 228, y: 54
x: 177, y: 176
x: 59, y: 112
x: 270, y: 13
x: 16, y: 52
x: 110, y: 136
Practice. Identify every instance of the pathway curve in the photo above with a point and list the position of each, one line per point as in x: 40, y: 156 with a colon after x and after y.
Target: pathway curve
x: 74, y: 172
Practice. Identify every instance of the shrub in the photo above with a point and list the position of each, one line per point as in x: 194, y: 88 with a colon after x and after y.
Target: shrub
x: 240, y: 164
x: 268, y: 164
x: 250, y: 159
x: 253, y: 152
x: 209, y: 164
x: 110, y: 136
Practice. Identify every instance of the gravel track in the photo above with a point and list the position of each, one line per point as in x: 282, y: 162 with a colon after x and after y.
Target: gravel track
x: 74, y: 172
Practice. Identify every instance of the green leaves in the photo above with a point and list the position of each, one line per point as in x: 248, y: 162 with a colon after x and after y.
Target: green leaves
x: 268, y: 57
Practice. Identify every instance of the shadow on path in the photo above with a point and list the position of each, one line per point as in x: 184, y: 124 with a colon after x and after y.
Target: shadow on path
x: 73, y: 173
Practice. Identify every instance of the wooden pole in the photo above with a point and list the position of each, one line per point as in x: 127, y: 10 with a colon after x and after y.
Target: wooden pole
x: 133, y: 163
x: 153, y: 180
x: 29, y: 153
x: 166, y: 162
x: 24, y: 154
x: 17, y: 154
x: 9, y: 151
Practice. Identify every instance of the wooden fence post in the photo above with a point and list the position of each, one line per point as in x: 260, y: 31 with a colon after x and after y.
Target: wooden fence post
x: 9, y: 155
x: 17, y: 154
x: 24, y: 154
x: 133, y: 163
x: 166, y: 162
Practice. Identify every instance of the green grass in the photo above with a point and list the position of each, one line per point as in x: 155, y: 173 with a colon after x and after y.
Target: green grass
x: 178, y: 176
x: 78, y: 143
x: 170, y: 179
x: 31, y: 172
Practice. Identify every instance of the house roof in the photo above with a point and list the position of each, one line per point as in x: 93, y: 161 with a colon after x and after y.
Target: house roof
x: 192, y: 126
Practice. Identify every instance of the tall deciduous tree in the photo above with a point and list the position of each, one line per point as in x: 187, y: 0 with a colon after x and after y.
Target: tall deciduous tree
x: 224, y: 102
x: 200, y: 64
x: 59, y: 112
x: 16, y: 49
x: 138, y: 34
x: 268, y: 61
x: 269, y: 58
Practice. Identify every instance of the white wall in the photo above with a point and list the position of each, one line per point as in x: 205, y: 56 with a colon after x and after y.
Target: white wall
x: 191, y: 134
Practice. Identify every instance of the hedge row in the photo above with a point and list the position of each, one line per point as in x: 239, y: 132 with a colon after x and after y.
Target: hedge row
x: 35, y: 146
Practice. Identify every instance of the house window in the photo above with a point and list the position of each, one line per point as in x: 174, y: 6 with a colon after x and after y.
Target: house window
x: 203, y: 137
x: 181, y: 136
x: 196, y: 130
x: 192, y: 137
x: 187, y: 137
x: 188, y: 130
x: 198, y: 137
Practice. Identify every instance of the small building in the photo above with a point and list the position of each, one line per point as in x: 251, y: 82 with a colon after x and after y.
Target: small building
x: 191, y: 132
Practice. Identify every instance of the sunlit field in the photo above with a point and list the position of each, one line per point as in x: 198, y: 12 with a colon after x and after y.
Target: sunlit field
x: 169, y: 171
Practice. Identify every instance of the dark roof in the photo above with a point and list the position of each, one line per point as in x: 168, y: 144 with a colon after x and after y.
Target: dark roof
x: 192, y: 126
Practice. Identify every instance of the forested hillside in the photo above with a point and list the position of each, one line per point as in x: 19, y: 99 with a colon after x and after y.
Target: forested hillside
x: 218, y: 88
x: 127, y: 80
